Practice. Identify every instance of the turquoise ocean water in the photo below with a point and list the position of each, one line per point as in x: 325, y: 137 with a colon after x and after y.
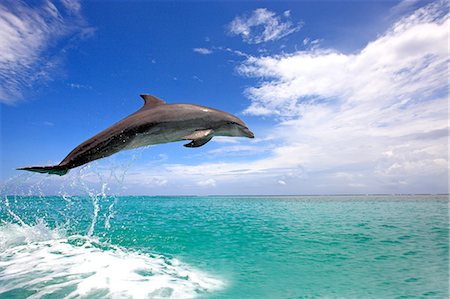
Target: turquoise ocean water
x: 99, y: 246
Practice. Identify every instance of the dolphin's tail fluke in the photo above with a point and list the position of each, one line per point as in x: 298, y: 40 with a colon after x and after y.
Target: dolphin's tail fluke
x: 57, y: 169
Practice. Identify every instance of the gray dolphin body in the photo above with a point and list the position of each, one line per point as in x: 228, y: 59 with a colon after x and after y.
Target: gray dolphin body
x: 156, y: 122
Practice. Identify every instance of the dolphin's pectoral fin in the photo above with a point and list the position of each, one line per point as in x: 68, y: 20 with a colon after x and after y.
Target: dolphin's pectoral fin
x: 199, y: 138
x: 198, y: 142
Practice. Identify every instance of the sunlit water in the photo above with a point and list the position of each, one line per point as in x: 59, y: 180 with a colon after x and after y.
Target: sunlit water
x: 224, y: 247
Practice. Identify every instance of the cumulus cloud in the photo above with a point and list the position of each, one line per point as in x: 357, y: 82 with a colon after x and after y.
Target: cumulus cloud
x: 262, y: 25
x: 409, y: 60
x: 203, y: 51
x: 27, y: 33
x: 341, y: 110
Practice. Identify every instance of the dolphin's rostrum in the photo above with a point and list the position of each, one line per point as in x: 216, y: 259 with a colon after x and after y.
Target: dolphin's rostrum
x: 156, y: 122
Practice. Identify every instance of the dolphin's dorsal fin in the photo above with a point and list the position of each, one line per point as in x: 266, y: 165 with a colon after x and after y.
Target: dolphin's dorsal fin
x: 151, y: 100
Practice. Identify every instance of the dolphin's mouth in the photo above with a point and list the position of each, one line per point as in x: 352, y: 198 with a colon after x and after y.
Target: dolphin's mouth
x: 248, y: 133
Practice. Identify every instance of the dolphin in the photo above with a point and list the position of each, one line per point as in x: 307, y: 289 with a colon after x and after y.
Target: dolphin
x: 155, y: 123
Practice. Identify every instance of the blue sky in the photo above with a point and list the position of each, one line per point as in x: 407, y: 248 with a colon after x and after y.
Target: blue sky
x: 343, y: 97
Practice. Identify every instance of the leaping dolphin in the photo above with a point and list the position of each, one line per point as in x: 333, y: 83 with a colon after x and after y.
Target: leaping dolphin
x: 156, y: 122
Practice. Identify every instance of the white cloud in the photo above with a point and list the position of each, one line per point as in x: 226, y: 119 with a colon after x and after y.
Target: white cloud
x: 26, y: 34
x: 159, y: 181
x: 72, y: 6
x: 261, y: 26
x: 197, y: 79
x: 203, y: 51
x: 207, y: 183
x: 408, y: 60
x: 229, y: 50
x: 224, y: 139
x: 346, y: 110
x: 234, y: 150
x: 403, y: 7
x: 79, y: 86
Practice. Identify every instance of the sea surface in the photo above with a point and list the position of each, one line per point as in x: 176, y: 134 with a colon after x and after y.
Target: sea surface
x: 100, y: 246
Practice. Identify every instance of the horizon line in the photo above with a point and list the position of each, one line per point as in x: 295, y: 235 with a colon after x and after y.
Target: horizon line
x: 251, y: 195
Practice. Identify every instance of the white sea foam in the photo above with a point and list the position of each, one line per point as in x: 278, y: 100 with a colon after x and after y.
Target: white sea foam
x: 45, y: 261
x: 12, y: 235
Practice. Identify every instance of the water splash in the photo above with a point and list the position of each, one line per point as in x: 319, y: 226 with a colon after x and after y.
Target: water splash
x: 12, y: 234
x: 36, y: 261
x: 111, y: 213
x: 10, y: 212
x: 95, y: 182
